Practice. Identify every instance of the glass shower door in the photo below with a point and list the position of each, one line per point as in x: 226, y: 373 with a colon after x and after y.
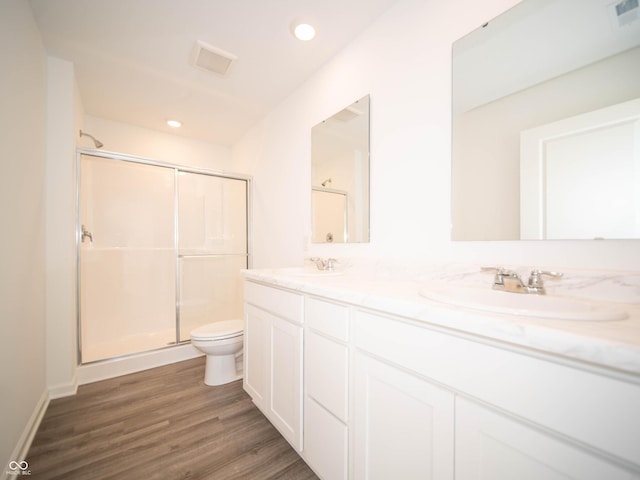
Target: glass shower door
x: 212, y: 249
x: 126, y: 258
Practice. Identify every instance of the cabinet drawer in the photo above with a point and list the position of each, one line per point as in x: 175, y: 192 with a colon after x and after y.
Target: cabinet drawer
x: 285, y: 304
x: 326, y: 373
x: 325, y: 442
x: 328, y: 318
x: 406, y: 345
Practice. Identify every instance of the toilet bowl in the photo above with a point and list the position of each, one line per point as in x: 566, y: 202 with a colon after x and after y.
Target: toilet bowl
x: 221, y: 342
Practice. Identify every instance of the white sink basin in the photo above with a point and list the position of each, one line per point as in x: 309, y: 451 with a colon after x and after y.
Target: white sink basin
x: 308, y: 272
x: 529, y: 305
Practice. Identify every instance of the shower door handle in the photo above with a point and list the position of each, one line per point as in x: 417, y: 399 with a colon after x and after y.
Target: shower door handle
x: 86, y: 234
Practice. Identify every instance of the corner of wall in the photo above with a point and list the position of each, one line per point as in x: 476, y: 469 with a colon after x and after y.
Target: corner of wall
x: 60, y: 225
x: 21, y: 451
x: 64, y: 389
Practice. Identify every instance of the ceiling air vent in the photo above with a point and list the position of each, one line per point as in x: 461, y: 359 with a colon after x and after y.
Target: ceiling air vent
x: 347, y: 114
x: 212, y: 59
x: 625, y: 12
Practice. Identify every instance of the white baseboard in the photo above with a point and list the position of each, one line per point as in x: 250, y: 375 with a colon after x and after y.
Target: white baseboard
x: 64, y: 390
x: 94, y: 372
x: 21, y: 450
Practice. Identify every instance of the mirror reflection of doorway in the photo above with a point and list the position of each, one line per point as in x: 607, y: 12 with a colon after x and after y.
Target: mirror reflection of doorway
x: 580, y: 176
x: 329, y: 209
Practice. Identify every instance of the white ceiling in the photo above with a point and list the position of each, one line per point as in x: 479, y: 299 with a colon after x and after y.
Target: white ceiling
x: 132, y: 57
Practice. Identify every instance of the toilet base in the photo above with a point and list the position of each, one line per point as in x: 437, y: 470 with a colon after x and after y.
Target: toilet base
x: 220, y: 370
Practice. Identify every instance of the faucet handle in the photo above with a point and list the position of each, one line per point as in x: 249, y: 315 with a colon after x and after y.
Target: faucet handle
x: 318, y: 261
x: 322, y: 264
x: 535, y: 279
x: 85, y: 234
x: 500, y: 273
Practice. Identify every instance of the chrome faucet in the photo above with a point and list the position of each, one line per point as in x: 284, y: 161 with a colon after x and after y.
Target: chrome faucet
x: 327, y: 264
x: 86, y: 234
x: 509, y: 280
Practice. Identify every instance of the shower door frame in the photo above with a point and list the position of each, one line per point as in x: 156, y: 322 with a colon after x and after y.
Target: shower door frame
x: 177, y: 168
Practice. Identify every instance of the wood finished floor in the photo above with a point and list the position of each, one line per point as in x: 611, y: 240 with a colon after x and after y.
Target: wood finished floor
x: 162, y: 423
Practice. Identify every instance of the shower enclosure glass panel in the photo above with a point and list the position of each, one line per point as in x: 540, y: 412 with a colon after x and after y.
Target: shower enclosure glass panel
x: 126, y: 258
x: 210, y: 290
x: 212, y: 248
x: 160, y: 252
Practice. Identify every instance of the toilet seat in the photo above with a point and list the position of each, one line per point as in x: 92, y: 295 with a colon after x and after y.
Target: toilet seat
x: 218, y: 330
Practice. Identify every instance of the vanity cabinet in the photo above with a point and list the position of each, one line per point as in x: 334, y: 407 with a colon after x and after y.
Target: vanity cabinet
x: 273, y: 357
x: 515, y: 414
x: 386, y: 396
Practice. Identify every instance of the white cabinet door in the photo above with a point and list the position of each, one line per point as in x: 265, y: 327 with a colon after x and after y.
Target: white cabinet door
x: 285, y: 379
x: 403, y: 425
x: 273, y: 370
x: 492, y: 446
x: 256, y: 323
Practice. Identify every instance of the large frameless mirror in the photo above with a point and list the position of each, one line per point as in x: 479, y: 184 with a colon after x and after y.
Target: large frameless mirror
x: 340, y: 176
x: 546, y: 123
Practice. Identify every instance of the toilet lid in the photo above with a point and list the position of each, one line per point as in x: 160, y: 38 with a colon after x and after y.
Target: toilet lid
x: 218, y: 330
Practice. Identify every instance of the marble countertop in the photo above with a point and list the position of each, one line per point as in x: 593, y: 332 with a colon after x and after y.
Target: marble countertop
x: 394, y: 289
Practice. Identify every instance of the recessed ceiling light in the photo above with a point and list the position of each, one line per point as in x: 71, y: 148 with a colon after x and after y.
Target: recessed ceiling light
x: 303, y: 31
x: 174, y: 123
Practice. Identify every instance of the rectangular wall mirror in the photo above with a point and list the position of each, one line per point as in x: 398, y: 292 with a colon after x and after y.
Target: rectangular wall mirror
x: 546, y: 123
x: 340, y: 176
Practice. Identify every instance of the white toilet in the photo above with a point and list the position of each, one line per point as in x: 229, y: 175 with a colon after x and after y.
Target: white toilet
x: 221, y: 342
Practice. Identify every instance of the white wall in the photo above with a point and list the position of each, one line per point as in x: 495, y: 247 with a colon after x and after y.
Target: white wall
x: 22, y: 284
x: 404, y: 61
x: 63, y: 116
x: 165, y: 147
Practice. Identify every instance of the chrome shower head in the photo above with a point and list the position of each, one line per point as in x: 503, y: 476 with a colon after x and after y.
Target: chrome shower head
x: 324, y: 184
x: 96, y: 142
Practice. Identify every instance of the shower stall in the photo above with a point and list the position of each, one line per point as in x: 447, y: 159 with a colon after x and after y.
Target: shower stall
x: 160, y: 249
